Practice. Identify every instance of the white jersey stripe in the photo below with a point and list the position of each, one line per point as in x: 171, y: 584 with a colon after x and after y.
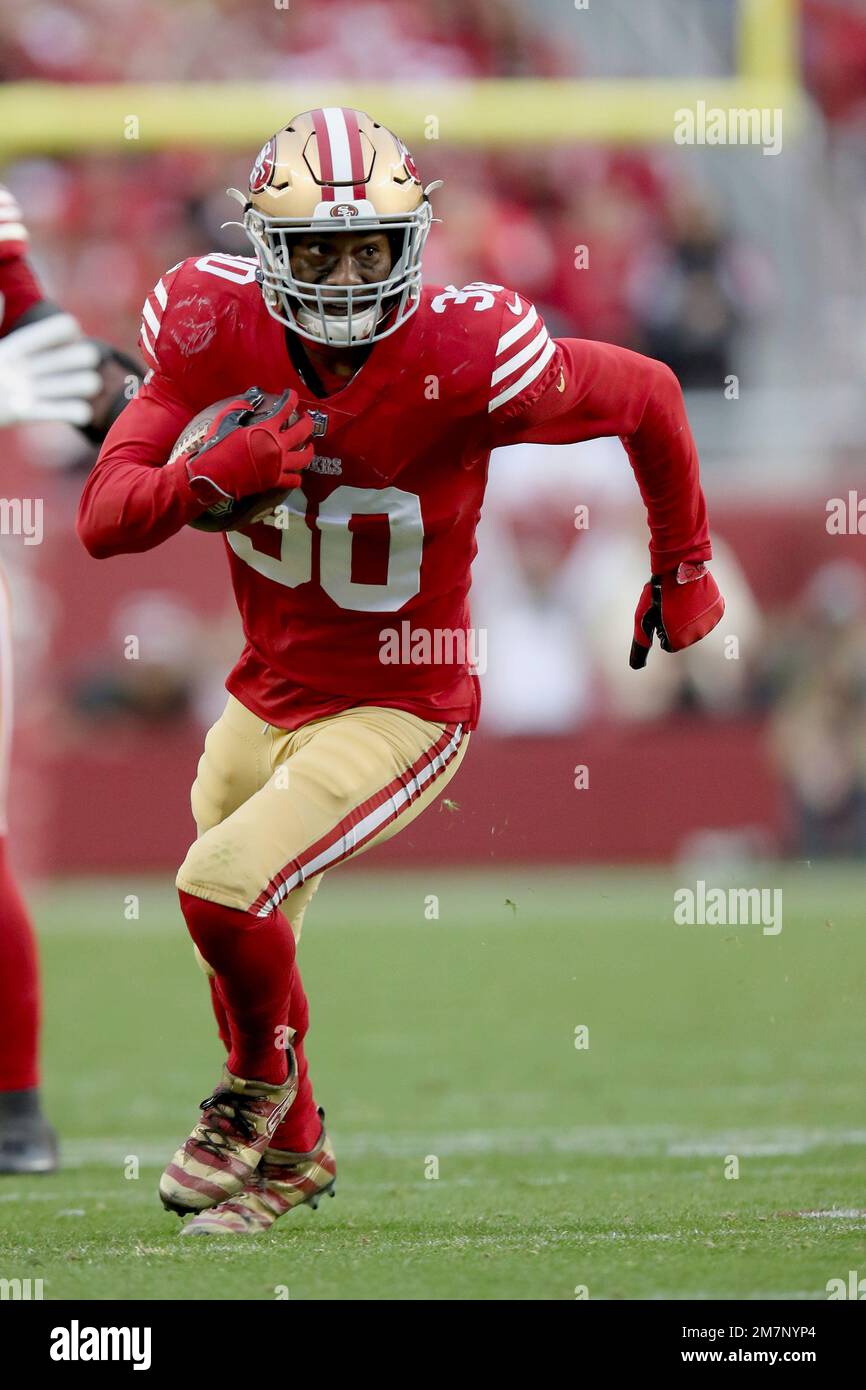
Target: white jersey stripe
x: 160, y: 294
x: 341, y: 157
x: 150, y: 319
x: 13, y: 231
x: 520, y: 357
x: 147, y: 344
x: 517, y: 331
x: 387, y: 811
x: 535, y: 370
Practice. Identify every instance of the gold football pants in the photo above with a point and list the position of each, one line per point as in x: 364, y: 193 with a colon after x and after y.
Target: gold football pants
x: 276, y: 808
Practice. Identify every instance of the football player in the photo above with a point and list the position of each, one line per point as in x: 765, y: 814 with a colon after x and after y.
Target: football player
x: 48, y: 371
x: 327, y: 746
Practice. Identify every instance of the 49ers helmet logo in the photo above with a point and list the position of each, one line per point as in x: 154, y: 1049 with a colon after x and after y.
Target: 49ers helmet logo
x: 409, y: 163
x: 344, y: 210
x: 263, y: 170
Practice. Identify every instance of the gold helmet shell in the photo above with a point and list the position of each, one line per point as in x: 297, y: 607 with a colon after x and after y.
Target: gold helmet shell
x: 330, y: 159
x: 337, y: 169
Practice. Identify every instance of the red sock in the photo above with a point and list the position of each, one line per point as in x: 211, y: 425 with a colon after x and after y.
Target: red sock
x: 19, y: 988
x: 253, y: 958
x: 220, y: 1014
x: 300, y: 1129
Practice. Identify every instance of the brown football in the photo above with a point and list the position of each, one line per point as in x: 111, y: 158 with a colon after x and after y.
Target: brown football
x: 230, y: 515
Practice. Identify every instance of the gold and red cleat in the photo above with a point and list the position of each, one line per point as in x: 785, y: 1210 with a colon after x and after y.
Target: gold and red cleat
x: 281, y: 1182
x: 225, y: 1148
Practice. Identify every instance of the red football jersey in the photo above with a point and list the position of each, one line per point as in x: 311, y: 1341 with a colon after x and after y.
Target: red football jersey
x: 19, y: 288
x: 363, y: 597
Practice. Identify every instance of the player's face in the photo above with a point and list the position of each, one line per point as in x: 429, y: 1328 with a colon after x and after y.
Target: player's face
x: 341, y: 259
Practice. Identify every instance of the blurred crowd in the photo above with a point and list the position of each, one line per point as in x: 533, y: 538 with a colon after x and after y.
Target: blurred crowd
x: 285, y: 40
x: 610, y: 243
x: 101, y: 40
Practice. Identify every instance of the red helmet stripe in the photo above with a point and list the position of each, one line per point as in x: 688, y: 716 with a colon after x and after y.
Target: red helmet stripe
x: 326, y: 162
x: 355, y: 151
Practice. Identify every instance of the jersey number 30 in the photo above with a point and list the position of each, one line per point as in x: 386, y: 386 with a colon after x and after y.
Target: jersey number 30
x: 294, y: 565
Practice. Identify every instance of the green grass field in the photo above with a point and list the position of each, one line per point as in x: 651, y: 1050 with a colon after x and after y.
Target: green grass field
x: 454, y: 1039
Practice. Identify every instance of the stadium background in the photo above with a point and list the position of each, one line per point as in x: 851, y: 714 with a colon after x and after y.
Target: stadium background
x: 723, y: 261
x: 453, y: 1033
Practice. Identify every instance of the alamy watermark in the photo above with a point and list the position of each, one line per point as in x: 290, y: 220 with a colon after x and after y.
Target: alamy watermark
x: 22, y: 516
x: 854, y: 1287
x: 77, y: 1343
x: 437, y: 646
x: 735, y: 125
x: 21, y: 1289
x: 729, y: 907
x: 846, y: 516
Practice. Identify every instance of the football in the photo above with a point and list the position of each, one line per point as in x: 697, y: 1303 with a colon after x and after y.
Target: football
x: 229, y: 515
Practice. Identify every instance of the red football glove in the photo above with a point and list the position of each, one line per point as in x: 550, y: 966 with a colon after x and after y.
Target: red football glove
x: 245, y: 452
x: 682, y: 606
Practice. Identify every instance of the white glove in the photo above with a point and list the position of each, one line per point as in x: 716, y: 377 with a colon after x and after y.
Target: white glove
x: 48, y: 372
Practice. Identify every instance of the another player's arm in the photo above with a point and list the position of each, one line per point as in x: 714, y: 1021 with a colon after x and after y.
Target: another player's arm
x: 588, y: 390
x: 52, y: 372
x: 93, y: 384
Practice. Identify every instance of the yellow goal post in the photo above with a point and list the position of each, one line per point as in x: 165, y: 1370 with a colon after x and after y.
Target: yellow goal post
x: 64, y: 118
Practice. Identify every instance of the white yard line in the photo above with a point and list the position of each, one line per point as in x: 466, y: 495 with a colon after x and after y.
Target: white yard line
x: 620, y: 1142
x: 836, y: 1214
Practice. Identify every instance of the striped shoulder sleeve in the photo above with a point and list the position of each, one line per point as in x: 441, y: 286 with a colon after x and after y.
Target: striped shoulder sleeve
x: 152, y: 315
x: 13, y: 233
x: 190, y: 314
x: 522, y: 359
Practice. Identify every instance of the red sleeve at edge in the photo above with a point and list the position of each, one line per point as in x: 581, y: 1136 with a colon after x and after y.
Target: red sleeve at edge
x: 20, y: 290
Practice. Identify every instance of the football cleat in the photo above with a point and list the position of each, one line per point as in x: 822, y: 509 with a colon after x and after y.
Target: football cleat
x: 225, y: 1147
x: 28, y: 1144
x: 281, y: 1182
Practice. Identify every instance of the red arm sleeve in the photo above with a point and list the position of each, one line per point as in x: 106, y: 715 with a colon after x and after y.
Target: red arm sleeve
x: 132, y: 499
x: 589, y: 390
x: 19, y: 288
x: 19, y: 291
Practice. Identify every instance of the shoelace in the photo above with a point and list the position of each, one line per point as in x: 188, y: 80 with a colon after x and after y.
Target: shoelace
x: 217, y: 1141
